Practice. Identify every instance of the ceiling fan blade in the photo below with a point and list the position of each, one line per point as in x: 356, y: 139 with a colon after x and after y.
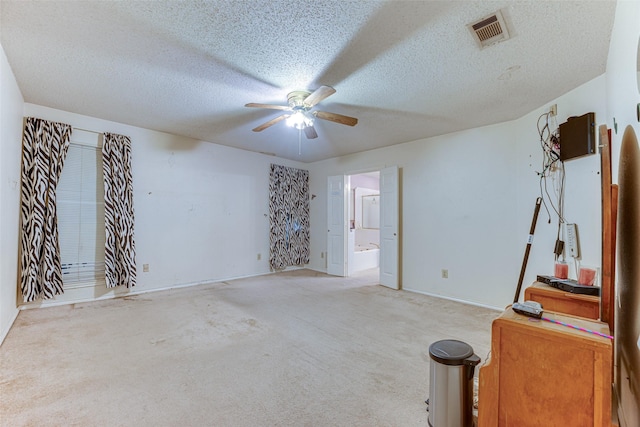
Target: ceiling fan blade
x: 310, y: 132
x: 270, y: 123
x: 271, y: 106
x: 318, y: 95
x: 338, y: 118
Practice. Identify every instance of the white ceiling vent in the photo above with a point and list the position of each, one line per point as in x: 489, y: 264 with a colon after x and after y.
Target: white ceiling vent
x: 489, y: 30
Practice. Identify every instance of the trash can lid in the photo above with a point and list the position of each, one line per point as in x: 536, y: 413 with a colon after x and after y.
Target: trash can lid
x: 451, y: 352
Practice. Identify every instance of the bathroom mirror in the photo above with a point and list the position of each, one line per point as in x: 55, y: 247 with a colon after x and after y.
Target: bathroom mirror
x: 371, y: 211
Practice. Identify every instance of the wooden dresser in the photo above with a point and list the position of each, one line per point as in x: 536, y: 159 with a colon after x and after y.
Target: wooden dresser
x: 544, y: 374
x: 553, y: 299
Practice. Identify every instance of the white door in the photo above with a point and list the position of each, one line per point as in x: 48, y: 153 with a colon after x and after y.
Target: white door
x: 337, y: 225
x: 389, y: 230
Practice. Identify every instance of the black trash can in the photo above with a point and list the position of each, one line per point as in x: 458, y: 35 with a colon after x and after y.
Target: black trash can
x: 451, y: 384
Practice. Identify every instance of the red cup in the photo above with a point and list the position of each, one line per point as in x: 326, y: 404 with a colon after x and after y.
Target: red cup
x: 587, y: 276
x: 561, y: 270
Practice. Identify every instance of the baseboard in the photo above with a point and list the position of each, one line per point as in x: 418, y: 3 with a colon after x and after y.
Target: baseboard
x: 456, y: 300
x: 124, y: 293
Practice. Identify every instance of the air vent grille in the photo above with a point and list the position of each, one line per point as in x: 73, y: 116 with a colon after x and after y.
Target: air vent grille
x: 489, y: 30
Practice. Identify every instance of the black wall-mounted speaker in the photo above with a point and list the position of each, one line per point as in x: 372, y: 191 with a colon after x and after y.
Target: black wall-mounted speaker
x: 578, y: 137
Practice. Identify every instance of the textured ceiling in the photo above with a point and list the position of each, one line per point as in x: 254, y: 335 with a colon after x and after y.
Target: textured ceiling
x: 406, y: 69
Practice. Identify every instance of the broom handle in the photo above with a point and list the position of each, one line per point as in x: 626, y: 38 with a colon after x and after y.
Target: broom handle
x: 528, y: 248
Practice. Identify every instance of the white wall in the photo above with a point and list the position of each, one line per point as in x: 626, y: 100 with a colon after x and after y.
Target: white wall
x: 452, y: 186
x: 366, y: 181
x: 11, y: 104
x: 582, y: 189
x: 201, y: 209
x: 467, y: 203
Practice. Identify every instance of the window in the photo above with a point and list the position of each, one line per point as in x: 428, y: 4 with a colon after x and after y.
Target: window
x: 80, y: 204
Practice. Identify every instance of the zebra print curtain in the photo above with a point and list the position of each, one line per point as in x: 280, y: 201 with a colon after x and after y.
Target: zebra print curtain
x: 120, y: 250
x: 288, y: 217
x: 44, y: 148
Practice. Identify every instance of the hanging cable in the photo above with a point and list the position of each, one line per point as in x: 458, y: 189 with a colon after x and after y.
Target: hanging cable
x: 552, y: 194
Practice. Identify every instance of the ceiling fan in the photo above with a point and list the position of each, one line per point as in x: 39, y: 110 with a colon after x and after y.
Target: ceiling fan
x: 300, y: 114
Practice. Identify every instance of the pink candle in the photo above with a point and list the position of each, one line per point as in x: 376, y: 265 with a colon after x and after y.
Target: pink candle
x: 562, y: 270
x: 587, y: 276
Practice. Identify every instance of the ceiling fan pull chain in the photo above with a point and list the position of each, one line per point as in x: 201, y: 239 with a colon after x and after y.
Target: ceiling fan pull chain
x: 299, y: 142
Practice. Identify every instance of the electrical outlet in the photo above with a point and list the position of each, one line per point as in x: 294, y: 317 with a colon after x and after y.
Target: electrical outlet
x: 553, y: 110
x: 145, y: 268
x: 571, y: 245
x: 259, y: 257
x: 445, y: 273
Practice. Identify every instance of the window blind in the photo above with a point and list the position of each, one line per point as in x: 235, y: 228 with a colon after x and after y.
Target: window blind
x: 80, y: 206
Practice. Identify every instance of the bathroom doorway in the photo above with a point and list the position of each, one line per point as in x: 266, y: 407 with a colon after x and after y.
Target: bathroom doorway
x: 339, y: 228
x: 363, y: 246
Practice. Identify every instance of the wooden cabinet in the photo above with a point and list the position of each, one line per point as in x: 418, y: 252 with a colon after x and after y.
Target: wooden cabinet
x: 544, y: 374
x: 553, y: 299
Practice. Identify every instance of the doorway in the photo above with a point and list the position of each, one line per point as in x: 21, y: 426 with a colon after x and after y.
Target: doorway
x: 363, y: 245
x: 386, y: 216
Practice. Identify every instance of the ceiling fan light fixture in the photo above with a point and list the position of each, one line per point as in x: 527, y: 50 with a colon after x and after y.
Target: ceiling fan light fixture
x: 299, y: 114
x: 299, y: 120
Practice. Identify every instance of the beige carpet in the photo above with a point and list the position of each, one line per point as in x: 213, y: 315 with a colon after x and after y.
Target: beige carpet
x: 297, y: 348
